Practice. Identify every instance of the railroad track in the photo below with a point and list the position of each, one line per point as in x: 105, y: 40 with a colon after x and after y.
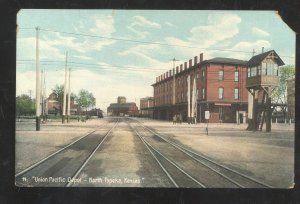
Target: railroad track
x: 200, y: 169
x: 63, y: 166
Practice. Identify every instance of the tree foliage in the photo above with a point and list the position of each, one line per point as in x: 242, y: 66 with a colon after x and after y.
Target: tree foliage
x: 280, y: 94
x: 59, y: 91
x: 85, y: 99
x: 24, y: 105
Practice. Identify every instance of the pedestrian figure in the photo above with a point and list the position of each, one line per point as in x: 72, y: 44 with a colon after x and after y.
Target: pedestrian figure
x: 180, y: 118
x: 174, y: 119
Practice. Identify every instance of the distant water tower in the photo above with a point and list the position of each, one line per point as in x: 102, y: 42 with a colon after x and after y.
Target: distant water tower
x: 262, y: 79
x: 121, y: 99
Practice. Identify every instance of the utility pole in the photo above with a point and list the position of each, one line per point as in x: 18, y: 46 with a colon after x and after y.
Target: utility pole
x: 69, y: 96
x: 174, y: 84
x: 44, y: 96
x: 189, y: 98
x: 174, y: 60
x: 65, y: 90
x: 194, y: 102
x: 38, y: 81
x: 30, y: 91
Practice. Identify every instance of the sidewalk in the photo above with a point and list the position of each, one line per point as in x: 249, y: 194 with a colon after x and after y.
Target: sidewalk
x: 31, y: 146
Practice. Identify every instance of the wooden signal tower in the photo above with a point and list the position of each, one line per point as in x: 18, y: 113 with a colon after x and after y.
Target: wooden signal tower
x: 262, y: 79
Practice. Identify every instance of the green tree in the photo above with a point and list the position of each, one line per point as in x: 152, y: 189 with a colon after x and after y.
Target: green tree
x: 285, y: 73
x: 24, y: 105
x: 85, y: 99
x: 279, y: 95
x: 59, y: 91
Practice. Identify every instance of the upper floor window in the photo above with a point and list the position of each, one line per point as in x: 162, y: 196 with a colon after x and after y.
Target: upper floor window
x: 203, y: 93
x: 253, y: 71
x: 259, y: 70
x: 221, y: 74
x: 269, y: 69
x: 236, y: 93
x: 221, y: 92
x: 236, y: 76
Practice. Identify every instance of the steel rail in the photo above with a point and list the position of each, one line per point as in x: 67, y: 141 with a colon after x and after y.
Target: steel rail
x: 163, y: 168
x: 204, y: 157
x: 174, y: 164
x: 87, y: 160
x: 53, y: 154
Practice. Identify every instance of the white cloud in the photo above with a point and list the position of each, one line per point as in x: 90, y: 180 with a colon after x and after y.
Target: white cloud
x: 169, y: 24
x: 220, y: 27
x: 26, y: 49
x: 259, y: 32
x: 142, y: 22
x: 247, y: 47
x: 104, y: 26
x: 82, y: 57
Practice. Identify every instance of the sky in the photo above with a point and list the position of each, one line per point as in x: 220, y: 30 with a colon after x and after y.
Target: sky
x: 115, y: 53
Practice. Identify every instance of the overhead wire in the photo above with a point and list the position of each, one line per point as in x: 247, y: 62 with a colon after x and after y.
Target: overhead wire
x: 148, y: 42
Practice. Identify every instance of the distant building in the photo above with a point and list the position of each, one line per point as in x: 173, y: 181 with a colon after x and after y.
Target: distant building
x: 146, y: 107
x: 54, y: 107
x: 122, y: 108
x: 95, y: 112
x: 121, y: 100
x: 291, y: 97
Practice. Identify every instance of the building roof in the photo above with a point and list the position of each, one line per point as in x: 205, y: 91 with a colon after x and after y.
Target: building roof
x: 257, y: 59
x: 223, y: 60
x: 121, y: 105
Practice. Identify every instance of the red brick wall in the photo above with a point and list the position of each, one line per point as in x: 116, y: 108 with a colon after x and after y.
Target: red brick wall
x: 163, y: 91
x: 213, y: 83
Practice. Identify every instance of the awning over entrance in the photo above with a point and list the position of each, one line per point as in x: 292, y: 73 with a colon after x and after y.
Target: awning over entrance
x: 222, y: 104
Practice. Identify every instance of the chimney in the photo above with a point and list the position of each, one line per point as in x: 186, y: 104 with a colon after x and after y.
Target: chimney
x: 262, y: 50
x: 156, y: 79
x: 195, y: 60
x: 167, y: 74
x: 185, y: 65
x: 170, y: 71
x: 177, y: 69
x: 181, y: 67
x: 201, y: 57
x: 190, y: 63
x: 164, y: 76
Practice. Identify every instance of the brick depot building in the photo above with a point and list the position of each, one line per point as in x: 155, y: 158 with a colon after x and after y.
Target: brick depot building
x: 146, y: 107
x: 220, y: 87
x: 122, y: 108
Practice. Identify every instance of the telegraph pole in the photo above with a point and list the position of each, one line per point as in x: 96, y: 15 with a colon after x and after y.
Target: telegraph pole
x: 44, y: 96
x: 174, y: 83
x: 189, y: 98
x: 69, y: 96
x: 38, y: 81
x: 174, y: 60
x: 65, y: 90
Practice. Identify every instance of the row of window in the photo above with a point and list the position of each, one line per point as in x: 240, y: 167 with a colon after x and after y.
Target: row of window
x: 236, y: 93
x: 263, y: 69
x: 221, y: 75
x: 168, y: 98
x: 180, y: 81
